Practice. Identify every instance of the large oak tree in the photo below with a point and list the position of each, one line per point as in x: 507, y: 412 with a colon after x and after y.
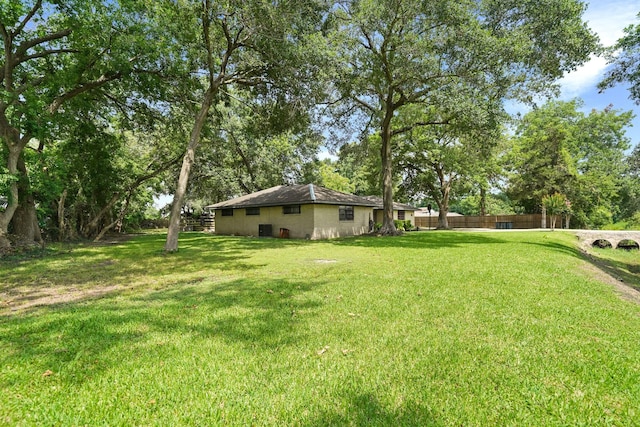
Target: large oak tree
x: 53, y: 53
x: 440, y: 55
x: 254, y: 44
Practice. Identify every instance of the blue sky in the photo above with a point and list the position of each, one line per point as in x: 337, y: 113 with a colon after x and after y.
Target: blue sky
x: 608, y: 18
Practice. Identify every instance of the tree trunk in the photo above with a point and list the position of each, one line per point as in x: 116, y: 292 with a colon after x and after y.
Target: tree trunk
x: 443, y: 210
x: 483, y: 201
x: 118, y: 220
x: 441, y: 196
x: 25, y: 219
x: 12, y: 204
x: 388, y: 226
x: 61, y: 222
x: 24, y: 223
x: 544, y: 217
x: 443, y: 222
x: 171, y: 244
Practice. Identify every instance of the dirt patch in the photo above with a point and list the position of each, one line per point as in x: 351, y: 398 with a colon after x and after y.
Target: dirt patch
x: 603, y: 272
x: 19, y: 301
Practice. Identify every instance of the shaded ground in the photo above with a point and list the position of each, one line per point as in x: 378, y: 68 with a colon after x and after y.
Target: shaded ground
x: 46, y: 291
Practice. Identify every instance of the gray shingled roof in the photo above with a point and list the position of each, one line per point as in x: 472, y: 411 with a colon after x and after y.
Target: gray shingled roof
x: 294, y: 195
x: 396, y: 206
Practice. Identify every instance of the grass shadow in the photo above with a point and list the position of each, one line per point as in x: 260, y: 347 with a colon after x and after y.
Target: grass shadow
x: 88, y: 270
x: 422, y: 240
x: 555, y: 246
x: 624, y: 272
x: 78, y: 341
x: 366, y: 410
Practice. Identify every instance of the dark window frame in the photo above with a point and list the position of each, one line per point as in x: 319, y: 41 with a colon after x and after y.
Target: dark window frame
x: 252, y: 211
x: 291, y: 210
x: 226, y: 212
x: 346, y: 213
x: 401, y: 215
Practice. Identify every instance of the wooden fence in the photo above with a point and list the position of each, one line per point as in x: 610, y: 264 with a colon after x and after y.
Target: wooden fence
x: 487, y: 221
x: 204, y: 223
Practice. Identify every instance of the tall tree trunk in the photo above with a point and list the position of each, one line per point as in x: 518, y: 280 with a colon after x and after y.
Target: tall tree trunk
x: 12, y: 204
x: 25, y: 219
x: 388, y: 226
x: 483, y: 201
x: 61, y: 222
x: 171, y: 244
x: 443, y: 209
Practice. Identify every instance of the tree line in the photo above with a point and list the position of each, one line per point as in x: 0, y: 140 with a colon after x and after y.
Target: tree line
x: 106, y: 104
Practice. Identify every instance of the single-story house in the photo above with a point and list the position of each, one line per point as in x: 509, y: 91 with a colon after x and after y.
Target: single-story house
x: 401, y: 211
x: 296, y: 211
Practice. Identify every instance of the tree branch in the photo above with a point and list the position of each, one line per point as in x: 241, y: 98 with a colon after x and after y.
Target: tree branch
x: 365, y: 104
x: 101, y: 81
x: 27, y: 85
x: 418, y: 124
x: 27, y: 18
x: 28, y: 44
x: 21, y: 59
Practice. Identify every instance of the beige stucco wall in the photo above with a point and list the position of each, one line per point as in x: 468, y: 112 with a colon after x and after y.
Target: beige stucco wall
x: 242, y: 224
x: 408, y: 215
x: 328, y: 225
x: 313, y: 222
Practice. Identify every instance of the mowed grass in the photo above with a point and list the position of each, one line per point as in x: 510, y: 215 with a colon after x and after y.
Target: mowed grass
x: 428, y: 329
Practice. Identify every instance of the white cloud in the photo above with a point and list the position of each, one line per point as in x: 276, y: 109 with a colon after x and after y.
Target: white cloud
x: 584, y: 78
x: 608, y: 20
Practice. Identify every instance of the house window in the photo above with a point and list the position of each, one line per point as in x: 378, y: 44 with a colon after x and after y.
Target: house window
x: 346, y: 213
x: 401, y: 215
x: 252, y: 211
x: 227, y: 212
x: 291, y: 209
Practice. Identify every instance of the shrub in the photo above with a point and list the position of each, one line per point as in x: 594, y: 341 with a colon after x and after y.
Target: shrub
x: 600, y: 217
x: 634, y: 222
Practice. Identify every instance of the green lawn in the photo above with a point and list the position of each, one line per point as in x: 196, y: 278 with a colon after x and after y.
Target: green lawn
x: 432, y: 328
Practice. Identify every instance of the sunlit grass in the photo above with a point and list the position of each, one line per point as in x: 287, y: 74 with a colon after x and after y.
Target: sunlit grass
x: 426, y: 329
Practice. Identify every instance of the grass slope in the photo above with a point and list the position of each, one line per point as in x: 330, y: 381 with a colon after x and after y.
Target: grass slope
x: 431, y: 329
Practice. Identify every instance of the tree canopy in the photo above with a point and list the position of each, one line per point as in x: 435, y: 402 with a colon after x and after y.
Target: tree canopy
x: 625, y: 58
x: 410, y: 64
x: 560, y: 149
x: 106, y: 103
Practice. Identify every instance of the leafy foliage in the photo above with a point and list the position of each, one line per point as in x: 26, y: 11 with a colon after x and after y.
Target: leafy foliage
x: 555, y: 204
x: 558, y: 148
x: 625, y: 57
x: 410, y: 64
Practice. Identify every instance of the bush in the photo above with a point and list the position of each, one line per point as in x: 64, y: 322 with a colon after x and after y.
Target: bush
x: 634, y: 222
x: 600, y: 217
